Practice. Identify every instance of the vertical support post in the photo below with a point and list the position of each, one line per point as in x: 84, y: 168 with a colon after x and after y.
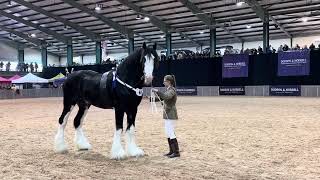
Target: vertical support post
x: 168, y: 44
x: 242, y: 45
x: 81, y: 58
x: 213, y: 41
x: 44, y: 56
x: 69, y: 54
x: 131, y: 45
x: 98, y: 53
x: 20, y: 48
x: 291, y: 42
x: 266, y: 33
x: 21, y: 55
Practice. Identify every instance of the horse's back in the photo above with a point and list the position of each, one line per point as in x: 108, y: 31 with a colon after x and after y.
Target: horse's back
x: 84, y: 86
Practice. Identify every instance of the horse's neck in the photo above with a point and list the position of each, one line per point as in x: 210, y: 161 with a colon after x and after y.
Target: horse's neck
x: 127, y: 70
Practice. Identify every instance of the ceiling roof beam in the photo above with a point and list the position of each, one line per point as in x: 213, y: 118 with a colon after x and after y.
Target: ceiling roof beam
x: 82, y: 30
x: 37, y: 42
x: 264, y: 15
x: 209, y: 21
x: 164, y: 27
x: 57, y: 36
x: 116, y: 26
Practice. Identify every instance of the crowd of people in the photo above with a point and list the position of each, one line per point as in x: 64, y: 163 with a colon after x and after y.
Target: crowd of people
x: 7, y: 66
x: 25, y: 67
x: 22, y: 67
x: 177, y: 55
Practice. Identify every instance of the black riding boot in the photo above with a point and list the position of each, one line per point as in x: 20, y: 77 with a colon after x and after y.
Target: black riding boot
x: 170, y: 149
x: 175, y: 148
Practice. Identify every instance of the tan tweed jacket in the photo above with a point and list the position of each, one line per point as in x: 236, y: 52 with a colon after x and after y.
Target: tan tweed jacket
x: 170, y: 98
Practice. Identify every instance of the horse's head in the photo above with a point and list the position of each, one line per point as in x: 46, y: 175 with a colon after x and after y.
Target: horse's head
x: 150, y: 61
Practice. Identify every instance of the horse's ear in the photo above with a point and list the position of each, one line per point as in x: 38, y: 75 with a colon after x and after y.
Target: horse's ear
x: 144, y: 46
x: 155, y: 46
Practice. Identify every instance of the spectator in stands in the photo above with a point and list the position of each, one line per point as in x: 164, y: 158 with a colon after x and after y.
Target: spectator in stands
x: 274, y: 50
x: 254, y: 51
x: 31, y: 67
x: 36, y: 66
x: 26, y: 67
x: 280, y: 48
x: 67, y: 72
x: 312, y: 46
x: 247, y: 51
x: 269, y: 49
x: 8, y: 66
x: 260, y: 50
x: 285, y: 48
x: 318, y: 46
x: 297, y: 47
x: 1, y: 65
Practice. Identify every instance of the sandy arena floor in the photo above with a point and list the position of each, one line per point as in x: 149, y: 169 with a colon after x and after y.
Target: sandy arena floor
x: 220, y: 138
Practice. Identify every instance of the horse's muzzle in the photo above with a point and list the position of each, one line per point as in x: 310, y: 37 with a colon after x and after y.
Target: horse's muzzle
x: 148, y: 80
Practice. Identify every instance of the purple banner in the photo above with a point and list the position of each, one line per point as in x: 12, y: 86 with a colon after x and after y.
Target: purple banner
x: 235, y: 65
x: 294, y: 63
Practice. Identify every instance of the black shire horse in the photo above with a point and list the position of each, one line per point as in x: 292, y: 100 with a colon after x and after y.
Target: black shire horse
x: 120, y: 89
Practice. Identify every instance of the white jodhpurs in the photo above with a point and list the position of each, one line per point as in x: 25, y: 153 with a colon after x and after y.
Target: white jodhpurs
x: 169, y: 126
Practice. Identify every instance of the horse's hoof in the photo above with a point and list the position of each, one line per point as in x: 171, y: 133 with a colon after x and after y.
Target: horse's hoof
x: 60, y: 146
x: 118, y: 155
x: 61, y: 149
x: 83, y: 147
x: 136, y: 152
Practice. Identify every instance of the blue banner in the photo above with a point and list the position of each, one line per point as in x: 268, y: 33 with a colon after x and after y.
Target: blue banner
x: 285, y: 90
x: 235, y: 65
x: 232, y: 90
x: 187, y: 91
x: 294, y: 63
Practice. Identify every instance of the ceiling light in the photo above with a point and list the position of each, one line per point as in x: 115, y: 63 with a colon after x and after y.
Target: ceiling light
x: 248, y: 26
x: 240, y: 3
x: 17, y: 14
x: 201, y: 32
x: 139, y: 17
x: 25, y: 18
x: 305, y: 19
x: 146, y: 18
x: 98, y: 7
x: 162, y: 36
x: 35, y: 22
x: 9, y: 3
x: 33, y: 35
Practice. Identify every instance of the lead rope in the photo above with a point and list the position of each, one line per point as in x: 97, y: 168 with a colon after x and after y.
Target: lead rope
x: 162, y: 104
x: 154, y: 108
x: 153, y: 97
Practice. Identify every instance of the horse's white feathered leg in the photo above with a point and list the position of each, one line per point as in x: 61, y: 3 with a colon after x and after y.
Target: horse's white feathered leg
x: 132, y: 148
x: 80, y: 139
x: 59, y: 143
x: 117, y: 151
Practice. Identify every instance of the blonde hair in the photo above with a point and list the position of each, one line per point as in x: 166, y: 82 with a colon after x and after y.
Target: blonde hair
x: 171, y: 79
